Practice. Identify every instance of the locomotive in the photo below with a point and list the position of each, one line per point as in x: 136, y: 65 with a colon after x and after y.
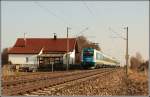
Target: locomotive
x: 92, y: 58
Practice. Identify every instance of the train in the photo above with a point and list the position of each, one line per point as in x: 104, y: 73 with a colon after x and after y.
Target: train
x: 92, y: 58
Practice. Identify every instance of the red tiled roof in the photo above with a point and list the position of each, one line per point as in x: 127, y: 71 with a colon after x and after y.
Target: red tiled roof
x: 34, y: 45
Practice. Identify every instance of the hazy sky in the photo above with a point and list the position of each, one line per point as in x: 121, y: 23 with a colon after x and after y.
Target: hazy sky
x: 103, y: 19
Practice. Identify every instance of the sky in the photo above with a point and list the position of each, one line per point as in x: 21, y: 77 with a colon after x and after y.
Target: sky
x: 105, y: 21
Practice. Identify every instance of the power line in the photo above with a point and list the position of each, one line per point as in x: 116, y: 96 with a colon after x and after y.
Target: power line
x: 50, y: 12
x: 89, y: 10
x: 62, y: 20
x: 117, y: 34
x: 81, y: 32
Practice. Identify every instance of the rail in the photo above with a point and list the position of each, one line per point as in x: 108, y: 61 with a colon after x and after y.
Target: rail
x: 40, y: 83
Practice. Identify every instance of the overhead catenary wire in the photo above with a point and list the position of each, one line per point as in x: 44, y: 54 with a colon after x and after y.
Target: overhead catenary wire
x: 55, y: 15
x: 89, y: 10
x: 51, y: 12
x: 62, y: 19
x: 117, y: 34
x: 81, y: 32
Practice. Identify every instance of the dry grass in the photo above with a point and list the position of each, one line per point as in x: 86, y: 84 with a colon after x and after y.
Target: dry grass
x: 7, y: 72
x: 137, y: 83
x: 138, y: 76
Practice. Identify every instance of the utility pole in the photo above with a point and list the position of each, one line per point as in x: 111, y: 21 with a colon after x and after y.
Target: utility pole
x: 127, y: 55
x: 67, y: 50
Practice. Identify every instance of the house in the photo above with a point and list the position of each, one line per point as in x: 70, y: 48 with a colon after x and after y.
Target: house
x: 35, y: 52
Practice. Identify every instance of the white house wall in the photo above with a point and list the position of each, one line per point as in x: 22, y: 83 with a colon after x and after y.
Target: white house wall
x: 32, y: 58
x: 71, y: 58
x: 21, y: 58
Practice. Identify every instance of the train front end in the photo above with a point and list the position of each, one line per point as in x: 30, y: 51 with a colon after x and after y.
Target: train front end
x: 88, y: 58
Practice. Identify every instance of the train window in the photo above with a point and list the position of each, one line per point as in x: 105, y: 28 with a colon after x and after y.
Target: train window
x: 102, y: 57
x: 98, y: 56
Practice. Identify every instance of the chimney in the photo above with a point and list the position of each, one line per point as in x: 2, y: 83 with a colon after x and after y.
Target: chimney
x: 55, y: 37
x: 24, y: 40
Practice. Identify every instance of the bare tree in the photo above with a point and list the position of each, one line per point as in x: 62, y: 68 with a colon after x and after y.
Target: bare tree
x: 83, y: 42
x: 137, y: 62
x: 134, y: 62
x: 139, y: 57
x: 147, y: 64
x: 4, y: 56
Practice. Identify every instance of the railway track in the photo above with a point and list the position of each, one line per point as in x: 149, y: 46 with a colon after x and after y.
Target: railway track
x: 51, y: 82
x: 52, y: 91
x: 12, y: 77
x: 27, y: 75
x: 35, y: 76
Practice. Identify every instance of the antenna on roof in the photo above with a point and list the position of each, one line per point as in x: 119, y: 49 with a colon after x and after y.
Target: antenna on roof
x: 55, y: 37
x: 24, y: 39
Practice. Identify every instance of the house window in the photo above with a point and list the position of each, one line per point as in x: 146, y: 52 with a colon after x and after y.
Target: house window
x: 27, y: 59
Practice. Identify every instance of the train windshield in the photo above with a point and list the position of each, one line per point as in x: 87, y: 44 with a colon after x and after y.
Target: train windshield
x: 88, y: 52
